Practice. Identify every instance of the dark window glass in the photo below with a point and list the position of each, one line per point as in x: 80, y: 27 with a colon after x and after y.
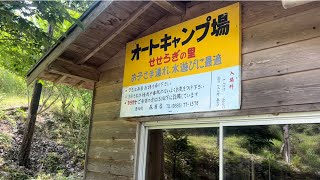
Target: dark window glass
x: 183, y: 154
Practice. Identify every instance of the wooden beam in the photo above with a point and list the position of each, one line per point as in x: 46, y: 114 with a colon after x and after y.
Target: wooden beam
x: 69, y: 69
x: 116, y: 31
x: 173, y: 7
x: 60, y: 79
x: 118, y: 59
x: 64, y: 45
x: 80, y: 84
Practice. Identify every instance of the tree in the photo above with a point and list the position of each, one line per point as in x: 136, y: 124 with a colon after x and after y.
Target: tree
x: 30, y: 125
x: 179, y: 155
x: 257, y: 138
x: 23, y: 30
x: 286, y: 149
x: 26, y: 32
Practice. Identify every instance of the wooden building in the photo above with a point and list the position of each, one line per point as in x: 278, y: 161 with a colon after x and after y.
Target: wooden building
x: 280, y: 71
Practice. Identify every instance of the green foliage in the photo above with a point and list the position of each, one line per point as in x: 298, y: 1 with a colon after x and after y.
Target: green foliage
x: 71, y: 118
x: 14, y: 173
x: 179, y: 155
x: 74, y: 125
x: 5, y: 140
x: 257, y: 137
x: 52, y: 162
x: 24, y: 35
x: 57, y: 176
x: 306, y: 150
x: 11, y: 84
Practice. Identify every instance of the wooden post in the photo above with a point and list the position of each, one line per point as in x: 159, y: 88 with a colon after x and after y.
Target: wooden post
x: 30, y: 125
x: 155, y: 169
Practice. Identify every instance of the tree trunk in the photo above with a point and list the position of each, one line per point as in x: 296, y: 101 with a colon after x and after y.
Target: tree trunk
x: 252, y: 165
x: 30, y: 125
x: 286, y: 143
x: 252, y: 169
x: 218, y: 134
x: 269, y: 169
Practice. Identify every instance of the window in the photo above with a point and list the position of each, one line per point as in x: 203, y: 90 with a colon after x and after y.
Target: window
x: 257, y: 147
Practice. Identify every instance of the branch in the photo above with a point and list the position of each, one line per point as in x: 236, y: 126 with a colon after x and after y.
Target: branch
x: 45, y: 100
x: 69, y: 103
x: 9, y: 39
x: 49, y: 105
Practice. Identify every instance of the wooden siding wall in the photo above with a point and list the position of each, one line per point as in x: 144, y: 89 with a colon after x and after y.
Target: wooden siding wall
x: 280, y: 73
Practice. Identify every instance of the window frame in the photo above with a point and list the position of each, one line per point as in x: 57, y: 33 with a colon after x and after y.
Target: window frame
x: 249, y: 120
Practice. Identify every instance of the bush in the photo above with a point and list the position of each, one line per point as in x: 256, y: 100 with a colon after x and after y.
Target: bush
x: 58, y: 176
x: 52, y: 162
x: 12, y: 172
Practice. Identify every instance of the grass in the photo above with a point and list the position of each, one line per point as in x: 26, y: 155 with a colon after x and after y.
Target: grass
x: 305, y: 150
x: 5, y: 140
x: 13, y: 101
x: 210, y: 143
x: 206, y: 142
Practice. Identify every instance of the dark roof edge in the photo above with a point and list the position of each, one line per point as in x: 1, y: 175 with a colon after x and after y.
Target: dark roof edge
x: 62, y: 38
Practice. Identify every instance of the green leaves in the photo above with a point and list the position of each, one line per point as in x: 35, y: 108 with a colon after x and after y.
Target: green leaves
x: 24, y: 26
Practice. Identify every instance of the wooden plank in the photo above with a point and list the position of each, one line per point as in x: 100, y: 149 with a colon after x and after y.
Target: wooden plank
x: 84, y: 40
x: 60, y: 79
x: 109, y: 93
x: 293, y: 3
x: 112, y: 76
x: 111, y: 154
x: 80, y: 84
x: 289, y: 89
x: 116, y: 31
x: 49, y: 76
x: 243, y: 112
x: 122, y: 168
x: 70, y: 81
x: 129, y: 7
x: 63, y: 45
x: 269, y: 62
x: 105, y: 176
x: 270, y: 34
x: 114, y: 144
x: 114, y: 62
x: 282, y: 31
x: 78, y: 48
x: 88, y: 85
x: 106, y: 22
x: 89, y: 133
x: 295, y: 57
x: 69, y: 69
x: 118, y: 59
x: 154, y: 13
x: 107, y: 111
x: 265, y: 11
x: 175, y: 8
x: 113, y: 130
x: 253, y: 12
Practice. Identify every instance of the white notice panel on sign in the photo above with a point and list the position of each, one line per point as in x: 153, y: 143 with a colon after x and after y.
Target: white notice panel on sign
x: 216, y: 90
x: 190, y: 67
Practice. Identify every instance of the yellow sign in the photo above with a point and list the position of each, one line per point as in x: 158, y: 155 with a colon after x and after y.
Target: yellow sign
x: 207, y: 43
